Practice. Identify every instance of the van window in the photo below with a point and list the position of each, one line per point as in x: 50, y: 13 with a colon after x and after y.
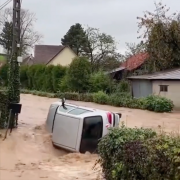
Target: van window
x: 68, y: 108
x: 78, y: 111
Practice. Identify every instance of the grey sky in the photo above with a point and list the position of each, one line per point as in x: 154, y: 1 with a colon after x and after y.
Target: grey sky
x: 115, y: 17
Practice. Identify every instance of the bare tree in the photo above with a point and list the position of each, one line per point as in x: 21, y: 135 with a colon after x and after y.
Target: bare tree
x: 29, y: 36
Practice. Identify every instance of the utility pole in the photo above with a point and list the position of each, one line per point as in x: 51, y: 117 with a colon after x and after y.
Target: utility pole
x: 14, y: 76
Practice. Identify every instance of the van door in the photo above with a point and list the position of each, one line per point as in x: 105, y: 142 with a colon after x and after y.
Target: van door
x: 91, y: 133
x: 65, y: 131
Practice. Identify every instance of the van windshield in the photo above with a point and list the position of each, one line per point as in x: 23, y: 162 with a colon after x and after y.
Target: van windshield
x: 79, y: 111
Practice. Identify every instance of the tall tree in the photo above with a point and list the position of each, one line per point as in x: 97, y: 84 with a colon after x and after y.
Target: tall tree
x: 133, y: 49
x: 162, y: 37
x: 29, y: 36
x: 75, y: 38
x: 100, y: 48
x: 6, y: 36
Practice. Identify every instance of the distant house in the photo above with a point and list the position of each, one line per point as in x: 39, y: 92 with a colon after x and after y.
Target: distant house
x: 51, y: 55
x: 166, y: 84
x: 130, y: 66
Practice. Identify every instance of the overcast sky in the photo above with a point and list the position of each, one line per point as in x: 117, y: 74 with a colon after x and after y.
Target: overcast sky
x: 114, y: 17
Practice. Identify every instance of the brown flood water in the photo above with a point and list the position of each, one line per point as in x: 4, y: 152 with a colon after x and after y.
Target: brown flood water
x: 28, y: 153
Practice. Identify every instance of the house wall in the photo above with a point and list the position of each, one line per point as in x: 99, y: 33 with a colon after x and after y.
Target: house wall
x: 64, y: 58
x: 141, y: 88
x: 173, y: 92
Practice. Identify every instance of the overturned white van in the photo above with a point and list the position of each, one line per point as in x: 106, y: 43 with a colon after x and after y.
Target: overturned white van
x: 78, y: 128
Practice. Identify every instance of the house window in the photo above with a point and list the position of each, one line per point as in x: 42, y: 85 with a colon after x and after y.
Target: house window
x: 163, y: 88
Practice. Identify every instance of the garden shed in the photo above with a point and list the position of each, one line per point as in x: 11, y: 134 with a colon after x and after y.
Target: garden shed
x: 164, y: 83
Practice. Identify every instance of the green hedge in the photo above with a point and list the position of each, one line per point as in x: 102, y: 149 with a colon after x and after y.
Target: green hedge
x: 3, y: 108
x: 37, y: 77
x: 151, y: 103
x: 139, y: 154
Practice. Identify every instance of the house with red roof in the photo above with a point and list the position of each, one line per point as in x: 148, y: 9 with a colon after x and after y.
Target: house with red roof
x: 131, y: 66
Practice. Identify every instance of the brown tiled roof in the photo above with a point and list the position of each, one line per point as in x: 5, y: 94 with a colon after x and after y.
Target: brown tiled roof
x: 134, y: 61
x: 43, y: 54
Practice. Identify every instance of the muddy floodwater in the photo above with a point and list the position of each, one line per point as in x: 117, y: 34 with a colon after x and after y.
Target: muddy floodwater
x: 28, y: 153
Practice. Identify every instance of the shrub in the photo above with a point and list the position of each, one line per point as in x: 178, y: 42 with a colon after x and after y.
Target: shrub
x: 123, y: 86
x: 24, y: 76
x: 63, y: 84
x: 58, y: 73
x: 87, y: 97
x: 112, y: 145
x: 139, y: 154
x: 79, y: 74
x: 120, y: 99
x: 100, y: 97
x: 158, y: 104
x: 100, y: 81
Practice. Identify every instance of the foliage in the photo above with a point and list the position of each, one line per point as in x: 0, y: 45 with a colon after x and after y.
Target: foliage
x: 158, y: 104
x: 29, y: 37
x: 79, y: 74
x: 3, y: 108
x: 138, y: 153
x: 64, y: 84
x: 162, y: 37
x: 101, y: 49
x: 58, y: 72
x: 99, y: 81
x: 100, y: 97
x: 133, y: 49
x: 6, y: 36
x: 75, y: 38
x: 41, y: 77
x: 123, y: 86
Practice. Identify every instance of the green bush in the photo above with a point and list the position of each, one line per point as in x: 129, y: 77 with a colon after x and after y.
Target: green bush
x: 63, y: 84
x: 100, y: 97
x: 138, y: 154
x: 158, y: 104
x: 3, y: 108
x: 78, y: 75
x: 99, y: 81
x: 58, y: 73
x: 24, y: 76
x: 123, y: 86
x: 41, y: 77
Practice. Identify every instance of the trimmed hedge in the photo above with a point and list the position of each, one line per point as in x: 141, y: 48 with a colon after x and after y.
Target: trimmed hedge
x: 151, y: 103
x: 139, y: 154
x: 3, y: 108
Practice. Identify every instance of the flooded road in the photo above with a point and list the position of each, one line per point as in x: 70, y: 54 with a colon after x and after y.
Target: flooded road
x: 28, y: 153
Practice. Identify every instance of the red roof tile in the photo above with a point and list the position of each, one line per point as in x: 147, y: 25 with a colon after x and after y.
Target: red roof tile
x: 134, y: 61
